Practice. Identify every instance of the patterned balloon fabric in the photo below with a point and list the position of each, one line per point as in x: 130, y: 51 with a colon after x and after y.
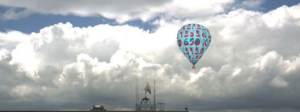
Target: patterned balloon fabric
x: 193, y: 40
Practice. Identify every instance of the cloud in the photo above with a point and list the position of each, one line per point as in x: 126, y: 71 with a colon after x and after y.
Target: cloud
x: 14, y: 14
x: 10, y: 39
x: 252, y: 64
x: 124, y: 10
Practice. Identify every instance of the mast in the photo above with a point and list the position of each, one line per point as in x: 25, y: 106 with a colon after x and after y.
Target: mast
x: 154, y: 95
x: 136, y: 94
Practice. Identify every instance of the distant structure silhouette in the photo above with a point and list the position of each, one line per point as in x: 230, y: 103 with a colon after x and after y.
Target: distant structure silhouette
x: 144, y: 104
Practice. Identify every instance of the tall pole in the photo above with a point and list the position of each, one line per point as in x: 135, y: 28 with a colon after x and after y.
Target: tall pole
x: 136, y: 94
x: 154, y: 95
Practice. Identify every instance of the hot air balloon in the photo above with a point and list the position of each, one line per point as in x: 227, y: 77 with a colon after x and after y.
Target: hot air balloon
x: 193, y: 40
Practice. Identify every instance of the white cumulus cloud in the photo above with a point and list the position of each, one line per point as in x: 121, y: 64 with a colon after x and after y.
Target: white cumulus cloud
x: 252, y: 64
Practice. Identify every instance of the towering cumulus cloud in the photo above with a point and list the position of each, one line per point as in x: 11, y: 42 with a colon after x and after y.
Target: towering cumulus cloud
x: 253, y: 63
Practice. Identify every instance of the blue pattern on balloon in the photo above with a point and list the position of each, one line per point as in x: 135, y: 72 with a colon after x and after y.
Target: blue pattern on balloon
x: 193, y: 40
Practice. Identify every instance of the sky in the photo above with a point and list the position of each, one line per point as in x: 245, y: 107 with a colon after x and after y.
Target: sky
x: 72, y: 54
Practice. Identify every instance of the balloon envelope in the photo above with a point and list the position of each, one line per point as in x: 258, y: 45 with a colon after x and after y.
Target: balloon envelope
x: 193, y: 40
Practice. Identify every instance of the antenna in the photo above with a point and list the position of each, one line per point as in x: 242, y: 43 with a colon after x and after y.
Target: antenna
x: 154, y: 95
x: 136, y: 93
